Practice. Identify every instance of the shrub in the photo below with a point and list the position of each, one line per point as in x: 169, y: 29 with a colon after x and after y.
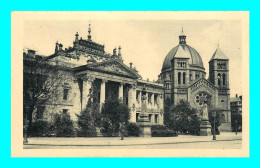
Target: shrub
x: 39, y: 128
x: 86, y: 124
x: 182, y: 118
x: 63, y: 125
x: 114, y: 112
x: 133, y: 130
x: 162, y: 131
x: 107, y: 128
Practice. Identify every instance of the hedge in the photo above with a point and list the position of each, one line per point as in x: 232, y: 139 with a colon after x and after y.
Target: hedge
x: 162, y: 131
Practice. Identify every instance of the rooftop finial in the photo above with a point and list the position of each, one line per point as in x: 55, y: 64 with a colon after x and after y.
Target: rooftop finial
x: 182, y: 37
x: 89, y: 31
x: 119, y: 51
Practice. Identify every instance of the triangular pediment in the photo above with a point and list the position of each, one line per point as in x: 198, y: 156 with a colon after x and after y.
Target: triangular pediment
x: 114, y: 67
x: 202, y: 83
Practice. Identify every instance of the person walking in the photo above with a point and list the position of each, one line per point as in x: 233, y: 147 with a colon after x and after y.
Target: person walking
x: 122, y: 129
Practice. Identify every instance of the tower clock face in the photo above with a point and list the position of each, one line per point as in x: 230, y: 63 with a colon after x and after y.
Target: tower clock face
x: 201, y: 99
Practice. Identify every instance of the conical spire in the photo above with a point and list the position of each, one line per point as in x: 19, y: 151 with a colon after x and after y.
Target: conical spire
x: 218, y: 54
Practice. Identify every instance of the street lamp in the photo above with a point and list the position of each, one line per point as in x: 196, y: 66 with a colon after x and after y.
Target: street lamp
x: 214, y: 114
x: 236, y: 124
x: 25, y: 140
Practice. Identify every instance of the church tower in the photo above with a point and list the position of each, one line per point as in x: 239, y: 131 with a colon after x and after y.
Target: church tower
x: 219, y: 76
x: 180, y: 73
x: 219, y: 70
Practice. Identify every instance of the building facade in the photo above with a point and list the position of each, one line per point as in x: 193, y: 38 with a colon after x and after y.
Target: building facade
x: 183, y: 75
x: 86, y: 64
x: 236, y: 112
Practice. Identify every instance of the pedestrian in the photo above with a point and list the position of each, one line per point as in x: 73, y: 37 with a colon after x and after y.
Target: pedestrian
x: 122, y: 130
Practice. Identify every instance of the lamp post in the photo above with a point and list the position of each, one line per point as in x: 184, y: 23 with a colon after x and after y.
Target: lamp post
x: 214, y: 116
x: 236, y: 125
x: 25, y: 140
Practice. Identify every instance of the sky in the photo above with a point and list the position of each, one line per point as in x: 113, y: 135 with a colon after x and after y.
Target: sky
x: 145, y: 43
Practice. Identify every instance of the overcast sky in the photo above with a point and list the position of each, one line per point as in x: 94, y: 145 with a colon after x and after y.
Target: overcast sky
x: 145, y: 42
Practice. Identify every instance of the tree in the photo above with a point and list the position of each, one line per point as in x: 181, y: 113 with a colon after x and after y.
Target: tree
x: 236, y: 118
x: 114, y: 112
x: 90, y: 118
x: 167, y: 107
x: 182, y: 118
x: 63, y: 125
x: 41, y: 78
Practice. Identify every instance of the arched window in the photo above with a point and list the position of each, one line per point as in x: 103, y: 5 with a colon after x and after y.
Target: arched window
x: 219, y: 79
x: 224, y: 79
x: 190, y: 77
x: 184, y: 74
x: 179, y: 78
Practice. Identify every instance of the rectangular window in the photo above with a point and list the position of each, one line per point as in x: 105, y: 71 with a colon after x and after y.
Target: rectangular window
x: 156, y: 118
x: 40, y: 110
x: 65, y: 94
x: 137, y: 96
x: 150, y: 117
x: 64, y: 111
x: 137, y: 116
x: 155, y: 99
x: 149, y: 98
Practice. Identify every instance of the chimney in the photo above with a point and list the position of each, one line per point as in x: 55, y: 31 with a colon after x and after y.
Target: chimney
x: 114, y: 52
x: 131, y: 65
x: 77, y: 37
x: 57, y: 47
x: 236, y: 95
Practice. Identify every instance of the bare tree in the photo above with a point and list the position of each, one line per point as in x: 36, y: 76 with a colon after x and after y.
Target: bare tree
x: 40, y: 81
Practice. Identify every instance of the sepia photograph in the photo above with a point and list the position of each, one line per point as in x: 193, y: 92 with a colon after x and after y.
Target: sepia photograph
x: 130, y: 84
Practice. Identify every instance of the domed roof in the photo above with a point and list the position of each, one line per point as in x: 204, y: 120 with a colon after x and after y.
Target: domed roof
x: 183, y: 51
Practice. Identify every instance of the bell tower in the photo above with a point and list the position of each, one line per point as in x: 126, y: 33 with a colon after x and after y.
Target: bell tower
x: 180, y: 72
x: 219, y: 69
x: 219, y: 76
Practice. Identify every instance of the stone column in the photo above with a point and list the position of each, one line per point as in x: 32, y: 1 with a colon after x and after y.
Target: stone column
x: 102, y: 92
x: 132, y: 102
x: 87, y: 83
x: 152, y: 118
x: 152, y: 100
x: 161, y: 109
x: 120, y: 91
x: 140, y: 98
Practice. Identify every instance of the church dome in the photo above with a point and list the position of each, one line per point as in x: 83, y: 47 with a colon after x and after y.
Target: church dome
x: 183, y: 51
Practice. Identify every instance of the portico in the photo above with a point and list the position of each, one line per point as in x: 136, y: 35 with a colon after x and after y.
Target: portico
x: 121, y: 84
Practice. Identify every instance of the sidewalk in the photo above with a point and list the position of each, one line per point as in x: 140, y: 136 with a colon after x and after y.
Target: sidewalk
x: 129, y: 141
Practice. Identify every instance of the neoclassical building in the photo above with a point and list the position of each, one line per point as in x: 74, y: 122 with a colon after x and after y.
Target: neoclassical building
x: 182, y: 78
x: 183, y: 75
x: 85, y: 64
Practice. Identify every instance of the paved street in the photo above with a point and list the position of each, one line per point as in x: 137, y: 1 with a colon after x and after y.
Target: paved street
x: 224, y: 141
